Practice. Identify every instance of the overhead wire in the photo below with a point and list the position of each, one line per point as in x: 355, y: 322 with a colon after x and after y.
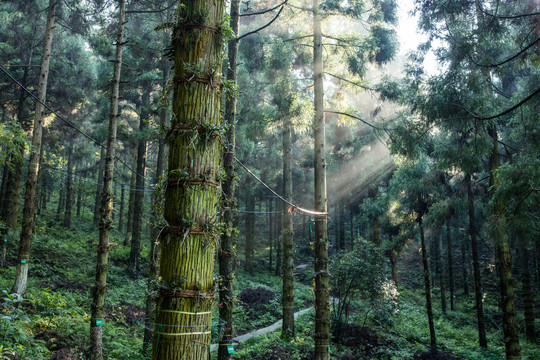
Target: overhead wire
x: 294, y: 207
x: 69, y: 123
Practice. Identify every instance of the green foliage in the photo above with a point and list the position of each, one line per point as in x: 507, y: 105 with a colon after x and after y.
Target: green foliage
x: 13, y: 142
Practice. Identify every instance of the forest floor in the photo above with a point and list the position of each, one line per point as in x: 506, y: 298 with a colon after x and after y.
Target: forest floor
x: 51, y: 320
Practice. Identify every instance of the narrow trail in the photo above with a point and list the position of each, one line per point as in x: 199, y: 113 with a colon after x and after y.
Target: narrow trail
x: 271, y: 328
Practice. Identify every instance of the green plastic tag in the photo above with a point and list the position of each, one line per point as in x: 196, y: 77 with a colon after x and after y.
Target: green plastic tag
x: 23, y: 261
x: 230, y: 349
x: 5, y: 240
x: 328, y: 348
x: 99, y: 322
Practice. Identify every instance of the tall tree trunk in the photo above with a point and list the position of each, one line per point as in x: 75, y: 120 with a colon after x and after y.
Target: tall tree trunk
x: 498, y: 232
x: 131, y: 206
x: 440, y: 270
x: 193, y: 192
x: 227, y: 253
x: 106, y: 208
x: 30, y: 198
x: 429, y: 307
x: 155, y: 247
x: 464, y: 267
x: 61, y: 203
x: 99, y: 185
x: 278, y: 223
x: 322, y: 278
x: 393, y: 266
x: 11, y: 185
x: 250, y: 232
x: 69, y: 187
x: 449, y: 250
x: 121, y: 211
x: 342, y: 226
x: 528, y: 301
x: 270, y: 208
x: 287, y: 236
x: 476, y: 267
x: 79, y: 197
x: 134, y: 265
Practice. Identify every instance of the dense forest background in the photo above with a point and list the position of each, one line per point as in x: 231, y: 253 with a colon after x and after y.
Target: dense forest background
x: 178, y: 174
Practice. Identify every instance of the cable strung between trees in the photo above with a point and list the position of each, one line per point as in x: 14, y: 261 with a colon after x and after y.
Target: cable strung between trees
x: 69, y: 123
x: 294, y: 207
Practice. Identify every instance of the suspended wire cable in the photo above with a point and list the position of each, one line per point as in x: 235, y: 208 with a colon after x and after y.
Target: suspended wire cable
x: 69, y: 123
x: 295, y: 207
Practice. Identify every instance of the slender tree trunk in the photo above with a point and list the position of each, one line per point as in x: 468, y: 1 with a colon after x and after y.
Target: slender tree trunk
x: 131, y: 206
x: 106, y: 208
x: 270, y: 232
x: 61, y: 203
x: 5, y: 173
x: 250, y: 232
x: 429, y: 307
x: 498, y: 232
x: 30, y: 199
x: 69, y: 187
x: 121, y: 211
x: 322, y: 278
x: 393, y: 265
x: 450, y: 249
x: 193, y: 192
x: 342, y: 226
x: 465, y: 272
x: 440, y: 270
x: 476, y: 267
x: 155, y: 247
x: 526, y: 290
x: 79, y: 197
x: 278, y: 221
x: 99, y: 185
x: 287, y: 236
x: 227, y: 253
x: 139, y: 187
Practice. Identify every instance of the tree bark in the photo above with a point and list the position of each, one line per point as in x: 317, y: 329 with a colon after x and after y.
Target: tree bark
x: 192, y: 198
x: 30, y: 199
x: 121, y: 211
x: 134, y: 265
x: 270, y: 208
x: 69, y: 187
x: 131, y: 206
x: 440, y: 270
x: 498, y: 232
x: 99, y: 185
x: 451, y: 281
x: 322, y: 278
x: 250, y: 232
x: 287, y: 236
x: 526, y: 290
x: 429, y: 307
x: 106, y: 208
x: 227, y: 253
x: 476, y: 267
x: 79, y: 197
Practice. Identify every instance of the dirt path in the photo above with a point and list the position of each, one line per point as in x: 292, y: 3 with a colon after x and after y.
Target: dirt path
x: 271, y: 328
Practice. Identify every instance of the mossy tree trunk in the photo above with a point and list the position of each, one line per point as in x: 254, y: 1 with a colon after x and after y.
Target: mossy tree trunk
x: 287, y: 235
x: 186, y: 296
x: 227, y: 252
x: 106, y: 208
x: 437, y: 241
x: 322, y: 278
x: 30, y: 197
x: 479, y: 303
x: 526, y: 290
x: 498, y: 232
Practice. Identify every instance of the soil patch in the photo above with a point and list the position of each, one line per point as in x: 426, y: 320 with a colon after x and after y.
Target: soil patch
x: 355, y: 336
x: 125, y: 313
x: 70, y: 352
x: 277, y: 353
x: 256, y: 299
